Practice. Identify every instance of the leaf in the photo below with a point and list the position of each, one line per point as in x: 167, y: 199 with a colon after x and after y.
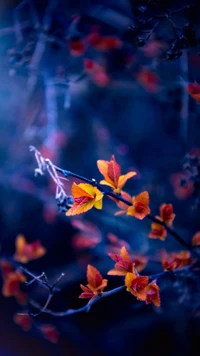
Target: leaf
x: 152, y: 294
x: 129, y: 279
x: 124, y: 254
x: 80, y: 209
x: 114, y: 171
x: 143, y: 198
x: 82, y: 190
x: 103, y: 168
x: 114, y: 272
x: 158, y: 231
x: 94, y: 277
x: 20, y: 242
x: 123, y: 179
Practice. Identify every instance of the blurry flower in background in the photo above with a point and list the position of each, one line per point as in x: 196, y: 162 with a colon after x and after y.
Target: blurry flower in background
x: 26, y: 252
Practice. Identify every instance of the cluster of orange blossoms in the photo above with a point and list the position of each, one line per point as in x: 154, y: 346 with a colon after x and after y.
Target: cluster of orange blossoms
x: 13, y: 279
x: 87, y: 196
x: 12, y: 282
x: 137, y: 285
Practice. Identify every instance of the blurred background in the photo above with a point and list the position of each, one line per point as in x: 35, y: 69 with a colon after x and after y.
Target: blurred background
x: 80, y: 83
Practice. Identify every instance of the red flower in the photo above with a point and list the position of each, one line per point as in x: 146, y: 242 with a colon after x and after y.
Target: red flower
x: 103, y: 43
x: 24, y: 321
x: 166, y: 213
x: 50, y: 333
x: 194, y: 91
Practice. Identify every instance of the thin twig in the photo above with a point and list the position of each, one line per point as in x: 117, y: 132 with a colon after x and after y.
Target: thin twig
x: 88, y: 306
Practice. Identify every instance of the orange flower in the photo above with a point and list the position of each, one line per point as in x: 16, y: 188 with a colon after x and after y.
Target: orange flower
x: 12, y: 284
x: 158, y: 231
x: 123, y: 263
x: 140, y: 207
x: 24, y: 321
x: 96, y: 284
x: 136, y: 285
x: 85, y: 197
x: 176, y: 260
x: 112, y: 174
x: 152, y: 294
x: 196, y: 239
x: 194, y: 91
x: 50, y: 333
x: 26, y: 252
x: 166, y: 213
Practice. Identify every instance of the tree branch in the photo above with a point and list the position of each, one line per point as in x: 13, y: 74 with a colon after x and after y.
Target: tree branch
x: 47, y: 165
x: 87, y: 307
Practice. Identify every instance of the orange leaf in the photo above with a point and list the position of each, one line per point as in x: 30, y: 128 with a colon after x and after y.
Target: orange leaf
x: 94, y: 277
x: 103, y: 168
x: 114, y: 170
x: 26, y: 252
x: 129, y: 279
x: 82, y: 190
x: 158, y: 231
x: 123, y: 179
x: 85, y: 197
x: 124, y: 254
x: 196, y: 239
x: 152, y: 294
